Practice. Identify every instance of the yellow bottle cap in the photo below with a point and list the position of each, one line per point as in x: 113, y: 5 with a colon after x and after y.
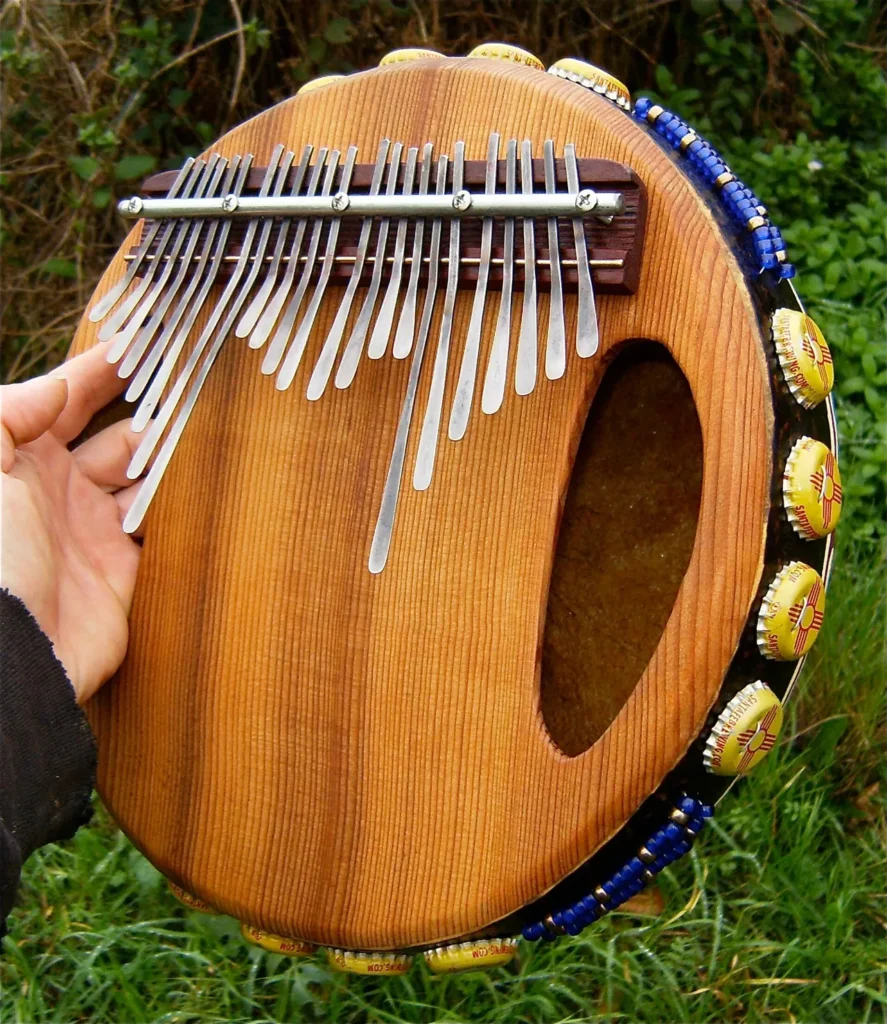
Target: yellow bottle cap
x: 803, y: 355
x: 191, y: 902
x: 318, y: 83
x: 471, y: 956
x: 505, y: 51
x: 745, y: 732
x: 791, y: 613
x: 409, y: 53
x: 276, y: 943
x: 811, y: 489
x: 591, y: 77
x: 349, y: 962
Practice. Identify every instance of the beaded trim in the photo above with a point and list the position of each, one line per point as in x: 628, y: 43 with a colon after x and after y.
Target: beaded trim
x: 664, y: 846
x: 740, y: 203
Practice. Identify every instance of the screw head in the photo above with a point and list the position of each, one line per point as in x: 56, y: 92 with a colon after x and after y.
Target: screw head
x: 586, y: 200
x: 230, y: 203
x: 461, y: 200
x: 340, y: 202
x: 134, y: 205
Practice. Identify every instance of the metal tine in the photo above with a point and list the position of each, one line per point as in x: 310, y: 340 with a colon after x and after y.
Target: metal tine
x: 385, y: 521
x: 385, y: 320
x: 464, y: 396
x: 172, y: 229
x: 403, y: 336
x: 288, y: 320
x: 324, y: 366
x: 272, y: 310
x: 297, y: 348
x: 205, y: 267
x: 424, y: 468
x: 123, y: 339
x: 497, y: 367
x: 525, y: 371
x: 155, y: 391
x: 556, y: 345
x: 354, y: 348
x: 260, y: 299
x: 586, y: 321
x: 101, y: 309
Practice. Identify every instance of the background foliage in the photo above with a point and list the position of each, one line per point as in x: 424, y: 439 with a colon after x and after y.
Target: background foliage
x: 784, y: 916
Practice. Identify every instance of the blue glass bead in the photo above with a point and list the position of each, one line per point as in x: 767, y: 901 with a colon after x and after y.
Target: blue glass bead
x: 659, y: 864
x: 609, y: 887
x: 548, y: 936
x: 592, y: 912
x: 682, y: 847
x: 730, y: 189
x: 672, y: 831
x: 534, y: 932
x: 656, y: 843
x: 567, y: 917
x: 635, y: 866
x: 642, y: 106
x: 708, y: 811
x: 762, y: 233
x: 768, y: 261
x: 575, y: 928
x: 716, y: 170
x: 636, y: 886
x: 786, y: 270
x: 697, y: 823
x: 694, y: 148
x: 689, y: 804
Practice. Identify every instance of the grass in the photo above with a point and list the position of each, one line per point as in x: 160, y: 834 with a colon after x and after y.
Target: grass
x: 781, y: 916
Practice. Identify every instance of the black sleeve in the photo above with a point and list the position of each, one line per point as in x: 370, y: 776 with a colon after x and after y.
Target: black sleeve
x: 48, y: 754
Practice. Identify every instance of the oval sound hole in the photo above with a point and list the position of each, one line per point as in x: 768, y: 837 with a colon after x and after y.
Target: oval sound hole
x: 625, y: 543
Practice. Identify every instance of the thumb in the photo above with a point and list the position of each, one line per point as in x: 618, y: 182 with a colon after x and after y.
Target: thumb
x: 28, y: 410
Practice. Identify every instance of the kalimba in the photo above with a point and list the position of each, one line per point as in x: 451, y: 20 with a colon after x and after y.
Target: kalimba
x: 489, y: 480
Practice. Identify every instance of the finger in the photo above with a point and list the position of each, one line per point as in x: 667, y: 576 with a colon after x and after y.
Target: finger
x: 104, y: 457
x: 28, y: 410
x: 92, y: 383
x: 124, y: 499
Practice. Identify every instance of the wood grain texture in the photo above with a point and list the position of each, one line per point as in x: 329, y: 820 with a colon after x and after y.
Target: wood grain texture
x: 360, y: 760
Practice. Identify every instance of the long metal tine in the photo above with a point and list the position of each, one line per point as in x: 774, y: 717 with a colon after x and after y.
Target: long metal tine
x: 324, y: 366
x: 297, y: 348
x: 260, y: 299
x: 172, y: 229
x: 271, y: 312
x: 525, y: 372
x: 427, y: 453
x: 497, y: 367
x: 403, y: 336
x: 186, y: 229
x: 205, y: 266
x: 586, y: 322
x: 155, y: 391
x: 464, y: 396
x: 354, y: 348
x: 385, y: 320
x: 101, y: 309
x: 288, y: 320
x: 556, y: 345
x: 388, y: 508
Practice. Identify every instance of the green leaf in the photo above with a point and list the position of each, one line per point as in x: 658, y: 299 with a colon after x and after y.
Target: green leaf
x: 84, y: 167
x: 338, y: 31
x: 787, y: 21
x: 135, y: 166
x: 60, y: 268
x: 101, y: 197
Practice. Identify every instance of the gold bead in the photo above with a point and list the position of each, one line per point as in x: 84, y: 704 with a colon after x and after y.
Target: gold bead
x: 722, y: 179
x: 654, y: 112
x: 688, y: 139
x: 755, y: 222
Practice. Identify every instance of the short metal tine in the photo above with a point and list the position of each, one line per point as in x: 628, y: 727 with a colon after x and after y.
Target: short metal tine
x: 324, y: 366
x: 122, y: 340
x: 497, y: 367
x: 287, y: 322
x: 388, y: 508
x: 271, y: 312
x: 385, y: 320
x: 155, y: 391
x: 297, y: 348
x: 403, y: 336
x: 525, y: 371
x: 195, y: 278
x: 354, y: 348
x: 586, y: 321
x: 260, y: 299
x: 172, y: 229
x: 101, y: 309
x: 464, y: 396
x: 431, y: 425
x: 556, y: 345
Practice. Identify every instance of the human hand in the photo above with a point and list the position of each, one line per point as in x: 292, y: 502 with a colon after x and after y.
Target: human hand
x: 64, y: 553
